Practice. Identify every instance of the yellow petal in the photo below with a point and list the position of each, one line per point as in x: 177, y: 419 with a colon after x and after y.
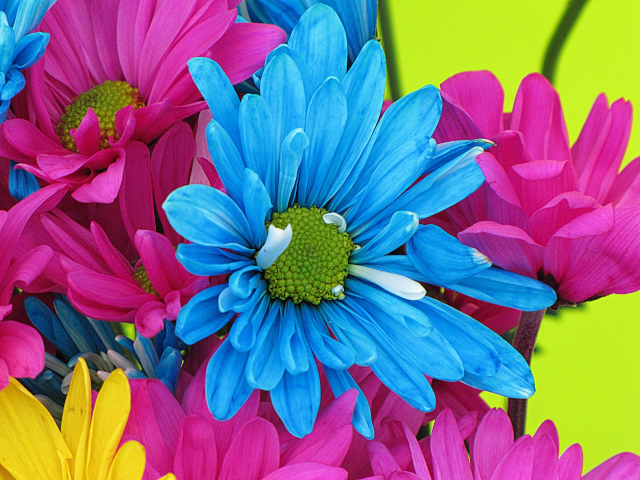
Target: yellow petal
x: 168, y: 476
x: 4, y: 474
x: 76, y: 419
x: 31, y: 445
x: 129, y: 462
x: 110, y: 416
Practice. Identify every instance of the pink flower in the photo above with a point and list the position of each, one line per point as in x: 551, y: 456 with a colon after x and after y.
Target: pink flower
x: 563, y: 215
x: 493, y: 456
x: 115, y: 72
x: 21, y: 346
x: 185, y: 438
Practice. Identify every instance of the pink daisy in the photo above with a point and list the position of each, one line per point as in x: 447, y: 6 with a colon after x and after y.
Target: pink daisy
x: 115, y: 72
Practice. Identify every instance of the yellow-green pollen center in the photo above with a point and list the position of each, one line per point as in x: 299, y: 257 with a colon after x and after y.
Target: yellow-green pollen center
x: 315, y: 262
x: 105, y: 100
x: 142, y: 278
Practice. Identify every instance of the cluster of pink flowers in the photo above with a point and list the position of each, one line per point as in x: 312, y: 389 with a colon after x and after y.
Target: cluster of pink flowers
x: 110, y: 123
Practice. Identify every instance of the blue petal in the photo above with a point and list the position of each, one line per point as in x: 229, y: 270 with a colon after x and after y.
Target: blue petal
x: 29, y: 14
x: 243, y: 282
x: 104, y: 335
x: 443, y: 188
x: 450, y: 151
x: 258, y: 205
x: 283, y: 90
x: 400, y: 375
x: 201, y: 317
x: 207, y: 216
x: 359, y: 19
x: 398, y: 231
x: 264, y: 366
x: 326, y: 117
x: 363, y: 86
x: 507, y: 289
x: 146, y: 354
x: 30, y: 49
x: 327, y: 350
x: 15, y: 84
x: 245, y: 327
x: 432, y: 354
x: 465, y: 335
x: 290, y: 157
x: 168, y: 368
x: 50, y: 326
x: 7, y: 47
x: 285, y: 14
x: 219, y: 94
x: 205, y: 260
x: 230, y: 302
x: 348, y: 332
x: 321, y: 40
x: 293, y: 343
x: 399, y: 264
x: 442, y: 257
x: 258, y: 140
x: 227, y: 159
x: 340, y: 381
x: 296, y: 399
x: 226, y: 388
x: 76, y: 326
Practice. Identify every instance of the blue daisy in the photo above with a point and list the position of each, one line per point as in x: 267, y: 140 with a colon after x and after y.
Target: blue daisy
x: 321, y: 195
x: 358, y: 16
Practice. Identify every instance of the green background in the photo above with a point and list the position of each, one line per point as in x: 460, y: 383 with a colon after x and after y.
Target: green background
x: 588, y: 370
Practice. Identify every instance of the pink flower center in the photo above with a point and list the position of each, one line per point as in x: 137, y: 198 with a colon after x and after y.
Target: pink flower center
x: 105, y: 100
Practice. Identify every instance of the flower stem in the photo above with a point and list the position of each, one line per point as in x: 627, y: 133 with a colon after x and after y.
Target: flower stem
x: 568, y: 20
x: 524, y: 343
x: 389, y: 51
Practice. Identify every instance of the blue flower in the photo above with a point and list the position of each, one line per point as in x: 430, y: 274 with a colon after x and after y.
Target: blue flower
x: 338, y: 191
x: 358, y: 16
x: 75, y: 335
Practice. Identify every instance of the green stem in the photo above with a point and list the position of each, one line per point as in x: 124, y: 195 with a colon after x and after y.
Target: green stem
x: 389, y: 50
x: 524, y: 342
x: 568, y: 20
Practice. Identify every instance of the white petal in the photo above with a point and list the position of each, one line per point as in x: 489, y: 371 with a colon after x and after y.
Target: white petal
x: 277, y: 242
x: 336, y: 219
x: 337, y: 290
x: 120, y: 361
x: 392, y: 282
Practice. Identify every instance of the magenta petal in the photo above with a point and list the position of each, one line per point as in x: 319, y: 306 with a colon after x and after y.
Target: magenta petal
x: 549, y: 428
x: 87, y: 136
x: 112, y: 257
x: 624, y: 466
x: 447, y: 448
x: 4, y: 374
x: 493, y: 440
x: 459, y: 398
x: 576, y: 258
x: 382, y: 462
x: 538, y: 182
x: 331, y: 436
x: 159, y: 260
x: 481, y: 96
x: 308, y: 471
x: 149, y: 319
x: 417, y: 457
x: 154, y: 421
x: 104, y: 187
x: 546, y: 457
x: 196, y: 450
x: 626, y: 187
x: 26, y: 270
x: 517, y: 464
x: 570, y: 463
x: 506, y: 246
x: 623, y: 247
x: 261, y: 439
x: 171, y: 162
x: 598, y: 152
x: 28, y: 140
x: 242, y: 37
x: 22, y: 349
x: 510, y: 149
x: 558, y: 212
x: 538, y: 115
x: 455, y: 123
x: 136, y: 193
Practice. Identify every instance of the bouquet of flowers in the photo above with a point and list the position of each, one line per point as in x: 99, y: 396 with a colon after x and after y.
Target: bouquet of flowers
x: 225, y: 256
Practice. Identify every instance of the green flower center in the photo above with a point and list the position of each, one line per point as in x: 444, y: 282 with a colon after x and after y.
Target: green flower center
x: 316, y: 262
x: 105, y: 100
x: 142, y: 278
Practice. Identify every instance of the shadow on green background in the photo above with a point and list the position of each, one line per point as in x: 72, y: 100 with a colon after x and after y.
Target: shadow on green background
x: 588, y: 372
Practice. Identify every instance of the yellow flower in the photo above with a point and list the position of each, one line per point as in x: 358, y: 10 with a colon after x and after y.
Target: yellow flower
x: 86, y: 447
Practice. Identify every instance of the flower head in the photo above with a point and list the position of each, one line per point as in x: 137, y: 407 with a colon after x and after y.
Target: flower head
x: 116, y: 73
x: 309, y: 159
x: 563, y: 215
x: 31, y: 446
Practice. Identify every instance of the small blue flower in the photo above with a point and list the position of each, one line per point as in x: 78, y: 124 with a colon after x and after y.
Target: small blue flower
x: 75, y: 335
x: 358, y: 16
x: 339, y: 190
